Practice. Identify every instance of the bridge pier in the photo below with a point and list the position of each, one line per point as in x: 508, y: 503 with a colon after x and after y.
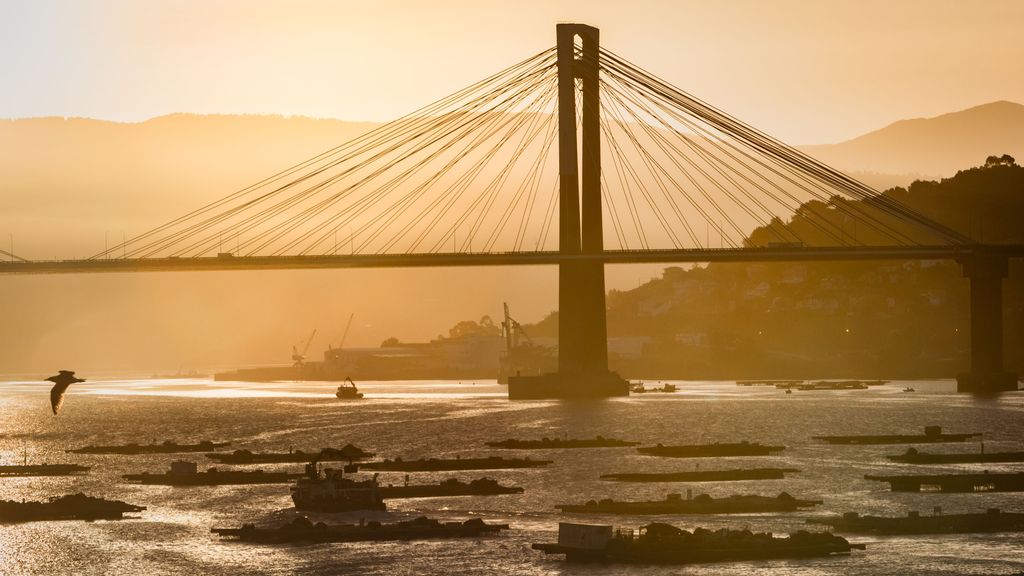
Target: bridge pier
x: 987, y: 375
x: 582, y: 325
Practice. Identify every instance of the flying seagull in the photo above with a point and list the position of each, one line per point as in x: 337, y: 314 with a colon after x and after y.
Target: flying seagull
x: 61, y: 382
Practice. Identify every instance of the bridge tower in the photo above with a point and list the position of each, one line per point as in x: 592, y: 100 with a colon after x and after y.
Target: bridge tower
x: 987, y: 376
x: 582, y: 328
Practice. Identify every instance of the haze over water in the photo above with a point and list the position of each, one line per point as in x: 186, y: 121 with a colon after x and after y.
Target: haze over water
x: 446, y: 419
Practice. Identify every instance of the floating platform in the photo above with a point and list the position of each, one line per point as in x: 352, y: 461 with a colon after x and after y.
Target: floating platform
x: 710, y: 450
x: 992, y: 520
x: 301, y: 530
x: 767, y: 382
x: 449, y: 464
x: 912, y: 456
x: 346, y: 453
x: 167, y: 447
x: 545, y: 443
x: 449, y: 487
x: 702, y: 504
x: 985, y: 482
x: 702, y: 475
x: 932, y: 435
x: 667, y: 544
x: 70, y: 507
x: 187, y: 474
x: 43, y: 470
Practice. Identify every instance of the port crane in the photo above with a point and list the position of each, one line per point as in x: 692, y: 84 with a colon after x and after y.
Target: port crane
x: 300, y: 358
x: 513, y: 331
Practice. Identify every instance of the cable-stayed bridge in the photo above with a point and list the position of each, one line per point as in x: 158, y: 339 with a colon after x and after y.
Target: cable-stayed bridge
x: 574, y: 157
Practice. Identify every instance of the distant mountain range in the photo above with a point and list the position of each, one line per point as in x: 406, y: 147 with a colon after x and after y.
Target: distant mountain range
x: 930, y: 148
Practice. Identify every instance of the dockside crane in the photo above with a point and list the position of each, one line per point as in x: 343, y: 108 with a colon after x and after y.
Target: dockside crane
x: 300, y: 358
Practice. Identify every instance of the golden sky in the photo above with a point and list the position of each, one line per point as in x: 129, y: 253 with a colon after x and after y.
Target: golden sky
x: 805, y: 71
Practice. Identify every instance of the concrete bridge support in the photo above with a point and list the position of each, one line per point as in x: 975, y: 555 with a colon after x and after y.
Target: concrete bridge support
x: 582, y: 330
x: 987, y: 375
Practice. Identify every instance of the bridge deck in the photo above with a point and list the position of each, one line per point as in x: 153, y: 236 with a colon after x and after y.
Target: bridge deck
x: 770, y: 254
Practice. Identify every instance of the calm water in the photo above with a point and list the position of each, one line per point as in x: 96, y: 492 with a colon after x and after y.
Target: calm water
x: 447, y: 419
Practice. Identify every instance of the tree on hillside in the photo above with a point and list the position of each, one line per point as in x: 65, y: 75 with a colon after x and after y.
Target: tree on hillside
x: 1004, y: 160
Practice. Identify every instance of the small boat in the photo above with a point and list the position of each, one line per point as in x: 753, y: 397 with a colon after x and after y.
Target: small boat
x: 909, y: 389
x: 666, y: 544
x: 331, y: 491
x: 347, y: 390
x: 70, y: 507
x: 302, y: 530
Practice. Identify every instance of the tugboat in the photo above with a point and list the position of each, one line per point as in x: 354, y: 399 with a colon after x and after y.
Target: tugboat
x: 667, y: 544
x: 912, y: 456
x: 186, y: 474
x: 992, y: 520
x: 449, y: 487
x: 70, y: 507
x: 302, y: 530
x: 347, y: 390
x: 42, y: 470
x: 436, y: 464
x: 702, y: 475
x: 710, y: 450
x: 346, y: 453
x: 702, y: 504
x: 598, y: 442
x: 167, y: 447
x: 932, y: 435
x: 330, y: 491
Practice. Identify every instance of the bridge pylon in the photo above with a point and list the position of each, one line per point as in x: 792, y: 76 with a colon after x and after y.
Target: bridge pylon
x: 986, y: 272
x: 582, y: 325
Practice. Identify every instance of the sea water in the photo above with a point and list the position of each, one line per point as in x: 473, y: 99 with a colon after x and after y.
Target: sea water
x: 449, y: 419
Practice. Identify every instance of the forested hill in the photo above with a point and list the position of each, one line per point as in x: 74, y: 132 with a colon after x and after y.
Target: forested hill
x: 806, y: 320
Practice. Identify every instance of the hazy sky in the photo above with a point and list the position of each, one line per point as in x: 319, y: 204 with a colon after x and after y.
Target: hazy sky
x: 805, y: 71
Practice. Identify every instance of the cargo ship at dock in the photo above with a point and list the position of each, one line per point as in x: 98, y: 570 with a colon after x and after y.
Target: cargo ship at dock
x: 470, y: 352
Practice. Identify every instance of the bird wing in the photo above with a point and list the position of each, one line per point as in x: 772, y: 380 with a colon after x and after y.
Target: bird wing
x: 57, y: 396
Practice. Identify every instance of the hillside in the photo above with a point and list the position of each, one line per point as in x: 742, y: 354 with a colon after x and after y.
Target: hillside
x: 817, y: 320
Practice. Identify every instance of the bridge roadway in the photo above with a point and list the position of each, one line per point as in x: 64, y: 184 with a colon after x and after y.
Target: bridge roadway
x: 665, y: 256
